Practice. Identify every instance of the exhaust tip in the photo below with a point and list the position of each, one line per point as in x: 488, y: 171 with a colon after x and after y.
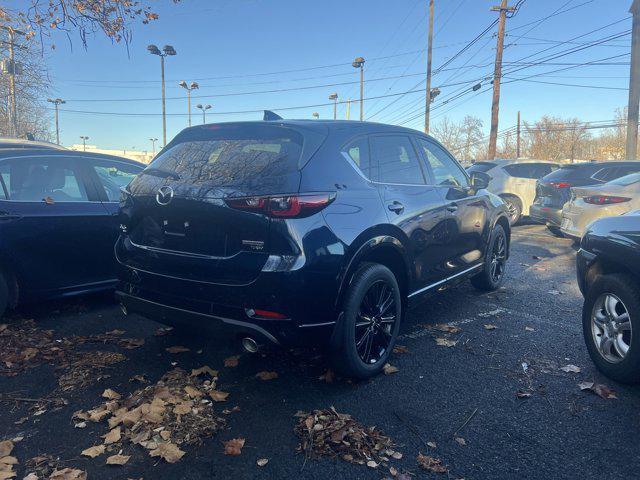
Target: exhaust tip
x: 250, y: 345
x: 124, y: 309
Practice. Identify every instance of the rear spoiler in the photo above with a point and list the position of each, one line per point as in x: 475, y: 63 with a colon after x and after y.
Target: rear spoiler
x: 269, y: 115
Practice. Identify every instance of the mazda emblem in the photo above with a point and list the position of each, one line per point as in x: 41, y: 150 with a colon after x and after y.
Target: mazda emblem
x: 164, y: 195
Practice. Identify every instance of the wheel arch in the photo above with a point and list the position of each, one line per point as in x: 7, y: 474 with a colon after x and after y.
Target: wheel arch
x: 11, y: 278
x: 607, y: 266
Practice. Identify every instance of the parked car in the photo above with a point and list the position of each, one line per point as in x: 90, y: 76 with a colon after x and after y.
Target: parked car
x: 11, y: 142
x: 58, y: 222
x: 305, y: 232
x: 608, y: 265
x: 552, y: 191
x: 590, y: 203
x: 514, y: 181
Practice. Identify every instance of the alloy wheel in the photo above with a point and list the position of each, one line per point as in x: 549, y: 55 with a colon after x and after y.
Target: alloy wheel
x: 498, y: 258
x: 375, y: 322
x: 611, y: 328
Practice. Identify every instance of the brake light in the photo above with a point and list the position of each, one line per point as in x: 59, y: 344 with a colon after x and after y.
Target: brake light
x: 604, y: 199
x: 283, y: 206
x: 560, y: 184
x: 255, y: 312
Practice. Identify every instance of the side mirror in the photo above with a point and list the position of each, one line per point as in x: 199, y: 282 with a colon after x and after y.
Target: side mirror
x: 480, y: 180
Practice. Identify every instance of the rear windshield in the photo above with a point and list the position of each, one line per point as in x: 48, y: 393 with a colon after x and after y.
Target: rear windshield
x: 481, y: 167
x: 570, y: 172
x: 626, y: 180
x: 229, y: 156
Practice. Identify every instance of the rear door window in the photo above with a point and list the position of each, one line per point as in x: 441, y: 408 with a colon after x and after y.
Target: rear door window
x: 34, y: 180
x: 226, y: 156
x: 114, y: 175
x: 396, y: 160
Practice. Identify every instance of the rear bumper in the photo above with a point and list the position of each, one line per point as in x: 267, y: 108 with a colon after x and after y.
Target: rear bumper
x: 546, y: 215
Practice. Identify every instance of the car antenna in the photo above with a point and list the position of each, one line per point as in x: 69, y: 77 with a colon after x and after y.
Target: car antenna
x: 269, y: 115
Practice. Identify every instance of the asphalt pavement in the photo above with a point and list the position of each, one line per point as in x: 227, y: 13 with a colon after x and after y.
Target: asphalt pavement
x: 505, y: 342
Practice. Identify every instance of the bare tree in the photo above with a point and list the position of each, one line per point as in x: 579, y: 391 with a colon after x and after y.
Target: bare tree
x: 449, y: 134
x: 472, y: 137
x: 554, y: 138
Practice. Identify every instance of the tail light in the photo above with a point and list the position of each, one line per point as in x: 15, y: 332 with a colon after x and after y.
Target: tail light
x: 560, y: 184
x: 604, y: 200
x: 283, y: 206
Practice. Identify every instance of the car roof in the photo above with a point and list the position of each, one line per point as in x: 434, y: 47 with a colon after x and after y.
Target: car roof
x: 11, y: 142
x: 30, y: 152
x: 509, y: 161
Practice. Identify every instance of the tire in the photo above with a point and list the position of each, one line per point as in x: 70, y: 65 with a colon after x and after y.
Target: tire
x: 351, y: 330
x: 4, y: 295
x: 626, y: 290
x: 514, y: 208
x: 491, y: 279
x: 555, y: 231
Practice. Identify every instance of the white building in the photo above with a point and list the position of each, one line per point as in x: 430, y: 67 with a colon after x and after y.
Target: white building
x: 143, y: 156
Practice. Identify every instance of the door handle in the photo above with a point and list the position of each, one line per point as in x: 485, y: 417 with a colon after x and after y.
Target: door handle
x: 452, y: 207
x: 396, y: 206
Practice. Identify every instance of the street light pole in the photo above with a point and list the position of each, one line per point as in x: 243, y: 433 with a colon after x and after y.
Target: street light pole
x: 167, y: 50
x: 204, y: 109
x: 334, y: 97
x: 359, y: 63
x: 188, y: 88
x: 153, y: 145
x: 427, y: 107
x: 634, y: 85
x: 13, y: 105
x: 56, y: 102
x: 84, y: 142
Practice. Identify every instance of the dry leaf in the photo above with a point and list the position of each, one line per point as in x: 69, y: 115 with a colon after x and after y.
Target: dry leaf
x: 601, y: 390
x: 31, y: 476
x: 445, y: 342
x: 389, y: 369
x: 445, y: 327
x: 68, y: 474
x: 177, y: 349
x: 231, y: 361
x: 400, y: 349
x: 523, y: 394
x: 163, y: 331
x: 6, y: 447
x: 111, y: 394
x: 372, y: 464
x: 529, y: 329
x: 262, y: 462
x: 118, y: 459
x: 218, y: 396
x: 204, y: 369
x: 570, y: 368
x: 432, y: 444
x: 431, y: 464
x: 170, y: 452
x: 193, y: 392
x: 94, y: 451
x: 266, y: 375
x: 233, y: 446
x: 329, y: 376
x: 461, y: 441
x: 112, y: 437
x: 489, y: 326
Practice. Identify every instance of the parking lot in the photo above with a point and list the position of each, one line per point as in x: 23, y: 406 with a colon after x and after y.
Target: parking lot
x: 485, y: 395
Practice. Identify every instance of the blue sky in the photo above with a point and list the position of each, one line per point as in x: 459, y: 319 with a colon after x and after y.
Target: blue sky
x: 246, y: 40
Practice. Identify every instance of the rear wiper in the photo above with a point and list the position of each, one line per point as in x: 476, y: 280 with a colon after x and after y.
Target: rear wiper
x: 158, y: 172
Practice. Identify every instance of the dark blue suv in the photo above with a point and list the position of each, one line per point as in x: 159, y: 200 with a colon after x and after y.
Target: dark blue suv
x: 298, y: 232
x: 58, y: 222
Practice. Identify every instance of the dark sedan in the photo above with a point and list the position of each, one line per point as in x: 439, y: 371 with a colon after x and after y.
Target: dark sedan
x: 58, y: 222
x: 553, y: 190
x: 608, y: 265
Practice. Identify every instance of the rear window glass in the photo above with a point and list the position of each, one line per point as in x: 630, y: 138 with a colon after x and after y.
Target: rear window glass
x: 626, y: 180
x: 230, y: 156
x: 571, y: 172
x: 481, y: 167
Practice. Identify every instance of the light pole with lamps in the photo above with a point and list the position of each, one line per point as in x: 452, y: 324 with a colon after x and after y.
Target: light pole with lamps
x: 188, y: 88
x: 167, y: 50
x: 56, y: 102
x: 153, y: 145
x: 334, y: 97
x: 315, y: 115
x: 359, y: 63
x: 204, y: 109
x: 84, y: 142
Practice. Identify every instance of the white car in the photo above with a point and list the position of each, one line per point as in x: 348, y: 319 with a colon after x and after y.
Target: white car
x: 514, y: 181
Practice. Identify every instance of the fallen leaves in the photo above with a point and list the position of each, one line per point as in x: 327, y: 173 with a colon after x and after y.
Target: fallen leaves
x: 445, y: 342
x: 333, y: 434
x: 177, y: 349
x: 113, y: 436
x: 431, y: 464
x: 6, y: 460
x: 118, y: 459
x: 231, y: 361
x: 570, y: 369
x: 489, y: 326
x: 400, y: 349
x: 445, y: 327
x: 68, y: 474
x: 167, y: 451
x: 460, y: 441
x: 218, y: 396
x: 94, y: 451
x: 329, y: 376
x: 234, y: 446
x: 389, y: 369
x: 267, y: 375
x: 205, y: 369
x: 262, y: 462
x: 110, y: 394
x: 599, y: 389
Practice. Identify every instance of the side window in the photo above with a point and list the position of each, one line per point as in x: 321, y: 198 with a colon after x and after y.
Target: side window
x: 34, y: 180
x: 542, y: 169
x: 358, y: 152
x: 5, y: 181
x: 114, y: 175
x: 605, y: 174
x: 444, y: 169
x: 396, y: 160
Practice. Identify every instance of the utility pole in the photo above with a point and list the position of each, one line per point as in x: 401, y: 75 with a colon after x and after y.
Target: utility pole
x: 56, y: 102
x: 359, y: 63
x: 334, y: 97
x: 497, y: 74
x: 349, y: 109
x: 427, y: 106
x: 518, y: 137
x: 634, y: 84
